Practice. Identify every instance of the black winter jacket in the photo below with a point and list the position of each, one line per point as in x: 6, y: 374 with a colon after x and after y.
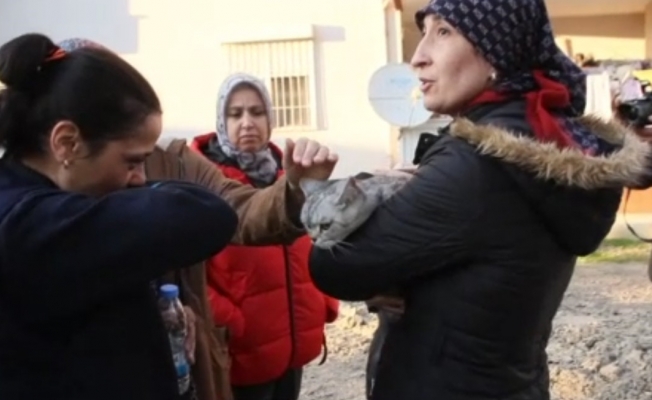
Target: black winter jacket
x: 78, y: 314
x: 483, y: 240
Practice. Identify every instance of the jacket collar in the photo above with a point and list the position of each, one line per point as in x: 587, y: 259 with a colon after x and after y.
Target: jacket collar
x: 24, y: 173
x: 202, y: 143
x: 513, y: 143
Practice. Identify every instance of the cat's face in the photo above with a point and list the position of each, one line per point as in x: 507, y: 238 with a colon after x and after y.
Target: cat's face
x: 334, y: 209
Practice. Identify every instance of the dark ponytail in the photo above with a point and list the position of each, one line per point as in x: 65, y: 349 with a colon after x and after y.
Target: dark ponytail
x: 21, y: 61
x: 94, y: 88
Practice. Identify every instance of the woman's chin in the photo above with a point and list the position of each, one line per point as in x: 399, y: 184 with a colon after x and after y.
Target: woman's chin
x: 440, y: 107
x: 249, y: 147
x: 434, y: 106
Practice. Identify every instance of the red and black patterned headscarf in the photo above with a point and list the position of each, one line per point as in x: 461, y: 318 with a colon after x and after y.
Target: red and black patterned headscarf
x: 516, y: 38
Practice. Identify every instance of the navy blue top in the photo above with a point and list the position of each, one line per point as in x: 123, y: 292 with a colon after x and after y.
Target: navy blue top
x: 78, y: 318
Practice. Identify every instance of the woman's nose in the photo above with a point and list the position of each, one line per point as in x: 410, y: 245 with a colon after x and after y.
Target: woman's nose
x: 420, y: 58
x: 138, y: 177
x: 247, y: 121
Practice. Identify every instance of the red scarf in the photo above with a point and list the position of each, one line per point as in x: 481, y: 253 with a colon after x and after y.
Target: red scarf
x: 550, y: 95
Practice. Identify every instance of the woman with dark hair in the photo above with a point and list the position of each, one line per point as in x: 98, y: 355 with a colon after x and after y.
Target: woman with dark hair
x: 84, y: 235
x: 267, y: 216
x: 483, y: 240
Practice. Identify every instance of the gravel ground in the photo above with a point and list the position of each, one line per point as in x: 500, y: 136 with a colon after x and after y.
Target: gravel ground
x: 601, y: 348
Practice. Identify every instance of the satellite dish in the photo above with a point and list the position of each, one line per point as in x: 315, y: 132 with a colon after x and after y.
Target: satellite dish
x: 395, y: 96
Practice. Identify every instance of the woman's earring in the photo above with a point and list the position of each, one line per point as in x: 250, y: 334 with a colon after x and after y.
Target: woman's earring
x: 493, y: 76
x: 66, y: 164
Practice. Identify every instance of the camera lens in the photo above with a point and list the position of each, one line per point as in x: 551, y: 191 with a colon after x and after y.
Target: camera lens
x: 628, y: 112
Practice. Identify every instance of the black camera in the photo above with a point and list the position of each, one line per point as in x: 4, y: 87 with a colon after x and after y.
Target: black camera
x: 637, y: 112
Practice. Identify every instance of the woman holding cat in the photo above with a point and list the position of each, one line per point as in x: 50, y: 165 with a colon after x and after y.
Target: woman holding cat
x: 483, y: 240
x: 263, y: 295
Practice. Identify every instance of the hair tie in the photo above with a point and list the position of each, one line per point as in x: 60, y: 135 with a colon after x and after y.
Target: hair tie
x: 57, y: 54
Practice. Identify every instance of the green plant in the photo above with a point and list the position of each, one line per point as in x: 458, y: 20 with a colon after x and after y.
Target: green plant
x: 619, y: 251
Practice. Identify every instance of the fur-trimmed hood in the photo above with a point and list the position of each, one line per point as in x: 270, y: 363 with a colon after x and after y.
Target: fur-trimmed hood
x: 629, y: 166
x: 576, y: 196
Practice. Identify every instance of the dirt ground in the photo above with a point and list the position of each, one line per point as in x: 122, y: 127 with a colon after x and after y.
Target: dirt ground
x: 601, y: 348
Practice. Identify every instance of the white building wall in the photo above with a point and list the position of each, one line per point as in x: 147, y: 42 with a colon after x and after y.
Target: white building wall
x: 176, y: 45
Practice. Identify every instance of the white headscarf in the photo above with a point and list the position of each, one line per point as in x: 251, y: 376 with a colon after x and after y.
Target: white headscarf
x: 260, y: 165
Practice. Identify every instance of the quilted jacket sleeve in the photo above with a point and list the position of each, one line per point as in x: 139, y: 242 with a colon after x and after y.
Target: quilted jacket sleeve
x: 332, y: 309
x: 66, y: 253
x: 225, y: 313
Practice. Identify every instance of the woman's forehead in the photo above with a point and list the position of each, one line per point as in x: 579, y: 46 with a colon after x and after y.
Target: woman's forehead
x: 246, y: 92
x: 433, y: 18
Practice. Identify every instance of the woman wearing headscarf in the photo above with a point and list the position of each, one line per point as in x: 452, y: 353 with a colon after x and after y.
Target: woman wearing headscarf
x: 267, y: 216
x: 263, y: 295
x: 484, y: 238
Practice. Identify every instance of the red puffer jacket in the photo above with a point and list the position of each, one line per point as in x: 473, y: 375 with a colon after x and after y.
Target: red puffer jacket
x: 266, y: 298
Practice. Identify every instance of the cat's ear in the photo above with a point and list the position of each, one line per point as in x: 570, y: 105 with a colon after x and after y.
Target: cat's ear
x: 310, y: 186
x: 350, y: 192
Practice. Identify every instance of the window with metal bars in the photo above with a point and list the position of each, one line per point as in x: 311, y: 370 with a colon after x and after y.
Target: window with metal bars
x: 287, y: 67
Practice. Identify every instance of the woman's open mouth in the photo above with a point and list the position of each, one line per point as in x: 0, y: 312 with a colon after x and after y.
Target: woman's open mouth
x: 426, y: 84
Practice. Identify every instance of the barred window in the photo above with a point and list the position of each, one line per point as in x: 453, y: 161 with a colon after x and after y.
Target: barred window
x: 287, y: 67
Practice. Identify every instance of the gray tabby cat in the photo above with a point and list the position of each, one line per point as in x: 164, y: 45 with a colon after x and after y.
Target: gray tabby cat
x: 335, y: 208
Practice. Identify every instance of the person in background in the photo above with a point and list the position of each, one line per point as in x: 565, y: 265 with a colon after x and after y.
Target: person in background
x: 483, y: 240
x: 84, y: 235
x: 645, y: 133
x: 267, y: 216
x: 274, y: 314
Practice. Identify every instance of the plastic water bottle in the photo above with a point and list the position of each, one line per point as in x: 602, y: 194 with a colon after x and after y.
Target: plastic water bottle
x: 174, y: 318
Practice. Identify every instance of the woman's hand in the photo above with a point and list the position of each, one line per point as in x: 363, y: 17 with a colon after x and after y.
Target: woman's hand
x: 307, y: 159
x: 191, y: 339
